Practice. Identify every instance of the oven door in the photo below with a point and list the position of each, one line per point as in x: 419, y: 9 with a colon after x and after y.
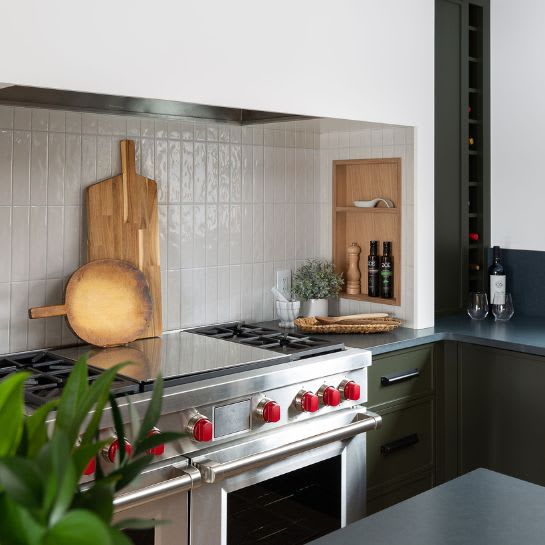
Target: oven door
x: 160, y: 494
x: 287, y: 486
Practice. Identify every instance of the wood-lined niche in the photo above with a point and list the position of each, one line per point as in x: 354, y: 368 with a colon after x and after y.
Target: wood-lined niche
x: 361, y: 180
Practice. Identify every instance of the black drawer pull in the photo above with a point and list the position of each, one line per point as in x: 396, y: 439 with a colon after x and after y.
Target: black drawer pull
x: 389, y: 380
x: 399, y: 444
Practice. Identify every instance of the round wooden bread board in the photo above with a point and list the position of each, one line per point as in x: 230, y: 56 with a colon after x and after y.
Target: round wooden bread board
x: 107, y: 303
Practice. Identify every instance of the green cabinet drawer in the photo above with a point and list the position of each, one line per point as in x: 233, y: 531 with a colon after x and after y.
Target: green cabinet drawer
x: 402, y: 445
x: 401, y: 375
x: 388, y: 496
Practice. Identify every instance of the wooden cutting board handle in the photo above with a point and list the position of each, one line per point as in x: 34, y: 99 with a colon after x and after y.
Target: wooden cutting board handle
x: 47, y: 312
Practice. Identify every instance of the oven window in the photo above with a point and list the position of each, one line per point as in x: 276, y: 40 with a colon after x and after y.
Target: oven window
x: 141, y: 537
x: 291, y: 509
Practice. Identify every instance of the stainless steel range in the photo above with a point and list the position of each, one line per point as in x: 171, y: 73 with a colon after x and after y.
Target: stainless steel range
x: 275, y: 445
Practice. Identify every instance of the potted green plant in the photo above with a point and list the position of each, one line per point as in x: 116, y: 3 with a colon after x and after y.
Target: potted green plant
x: 314, y: 282
x: 41, y: 465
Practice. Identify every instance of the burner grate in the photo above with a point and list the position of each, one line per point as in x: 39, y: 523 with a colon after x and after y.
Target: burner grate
x: 297, y: 344
x: 49, y: 374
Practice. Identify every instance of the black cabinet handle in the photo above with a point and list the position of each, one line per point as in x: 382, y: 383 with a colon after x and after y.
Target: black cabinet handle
x: 389, y: 380
x: 399, y: 444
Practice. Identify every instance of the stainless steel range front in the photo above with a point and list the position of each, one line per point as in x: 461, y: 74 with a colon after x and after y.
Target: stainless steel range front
x: 275, y: 444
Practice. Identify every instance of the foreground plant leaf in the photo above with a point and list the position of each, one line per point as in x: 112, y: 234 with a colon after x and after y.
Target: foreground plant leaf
x: 23, y: 482
x: 79, y: 527
x: 36, y: 429
x: 17, y: 526
x: 12, y: 412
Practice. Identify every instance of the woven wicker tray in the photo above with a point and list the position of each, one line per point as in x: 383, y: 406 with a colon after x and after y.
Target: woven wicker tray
x: 379, y: 325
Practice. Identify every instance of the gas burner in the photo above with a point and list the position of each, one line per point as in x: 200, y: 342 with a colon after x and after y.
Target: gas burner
x: 296, y: 345
x: 229, y: 331
x: 49, y: 374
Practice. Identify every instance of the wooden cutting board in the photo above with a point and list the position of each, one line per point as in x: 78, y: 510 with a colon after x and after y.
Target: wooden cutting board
x: 122, y: 223
x: 107, y: 303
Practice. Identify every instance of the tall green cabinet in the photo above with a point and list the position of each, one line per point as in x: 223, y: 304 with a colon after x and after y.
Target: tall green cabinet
x: 462, y: 150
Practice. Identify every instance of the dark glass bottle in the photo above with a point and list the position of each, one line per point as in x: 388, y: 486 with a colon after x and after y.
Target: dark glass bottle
x: 497, y: 278
x: 373, y: 284
x: 386, y: 272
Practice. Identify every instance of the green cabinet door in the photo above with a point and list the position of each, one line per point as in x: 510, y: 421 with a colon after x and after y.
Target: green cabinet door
x: 502, y: 412
x: 402, y: 446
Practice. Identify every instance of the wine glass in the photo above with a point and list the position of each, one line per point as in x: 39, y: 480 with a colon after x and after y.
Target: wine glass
x: 502, y: 307
x: 477, y: 306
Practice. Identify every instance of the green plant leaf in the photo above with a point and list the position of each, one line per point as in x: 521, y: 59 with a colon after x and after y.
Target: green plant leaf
x: 119, y: 429
x: 316, y: 279
x: 153, y: 411
x: 17, y: 526
x: 156, y: 440
x: 36, y: 429
x: 99, y: 499
x: 134, y: 417
x: 11, y: 413
x: 79, y: 527
x: 72, y: 393
x: 61, y: 479
x: 22, y: 481
x: 97, y: 396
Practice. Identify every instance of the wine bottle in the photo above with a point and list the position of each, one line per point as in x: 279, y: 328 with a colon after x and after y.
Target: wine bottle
x: 473, y: 236
x: 474, y: 267
x: 497, y: 278
x: 386, y: 272
x: 373, y: 289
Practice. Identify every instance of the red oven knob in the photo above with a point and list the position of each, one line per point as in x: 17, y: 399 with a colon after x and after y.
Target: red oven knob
x: 350, y: 390
x: 201, y: 428
x: 110, y: 452
x: 306, y: 401
x: 329, y: 395
x: 268, y: 410
x: 159, y: 450
x: 91, y: 466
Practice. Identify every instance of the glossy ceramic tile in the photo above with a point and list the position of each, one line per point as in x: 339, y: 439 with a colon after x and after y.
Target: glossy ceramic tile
x: 235, y: 205
x: 20, y: 168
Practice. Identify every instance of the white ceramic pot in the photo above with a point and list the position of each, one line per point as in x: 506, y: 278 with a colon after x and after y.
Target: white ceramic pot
x: 315, y: 307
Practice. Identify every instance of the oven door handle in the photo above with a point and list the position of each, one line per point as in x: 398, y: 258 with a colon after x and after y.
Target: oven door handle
x: 216, y: 471
x: 184, y: 479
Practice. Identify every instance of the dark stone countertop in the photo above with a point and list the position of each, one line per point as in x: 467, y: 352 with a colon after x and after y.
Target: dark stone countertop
x: 521, y: 334
x: 479, y: 508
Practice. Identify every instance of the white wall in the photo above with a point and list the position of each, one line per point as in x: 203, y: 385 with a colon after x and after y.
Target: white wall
x: 356, y: 59
x: 518, y: 119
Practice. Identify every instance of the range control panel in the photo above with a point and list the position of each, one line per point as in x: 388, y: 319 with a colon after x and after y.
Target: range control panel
x: 269, y: 409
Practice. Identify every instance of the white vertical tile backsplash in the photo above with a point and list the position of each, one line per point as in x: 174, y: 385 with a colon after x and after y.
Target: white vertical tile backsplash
x: 381, y: 141
x: 236, y: 205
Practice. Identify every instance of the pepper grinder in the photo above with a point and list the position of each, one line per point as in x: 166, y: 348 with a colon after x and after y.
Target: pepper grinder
x: 353, y: 274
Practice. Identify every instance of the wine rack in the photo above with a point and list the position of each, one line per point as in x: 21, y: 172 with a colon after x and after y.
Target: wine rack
x: 475, y: 180
x: 462, y: 150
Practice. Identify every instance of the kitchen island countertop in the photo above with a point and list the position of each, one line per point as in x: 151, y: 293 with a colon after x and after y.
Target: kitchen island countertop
x: 479, y: 508
x: 521, y: 334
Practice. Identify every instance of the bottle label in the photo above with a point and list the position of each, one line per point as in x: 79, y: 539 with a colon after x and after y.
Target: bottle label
x: 497, y: 289
x: 385, y: 272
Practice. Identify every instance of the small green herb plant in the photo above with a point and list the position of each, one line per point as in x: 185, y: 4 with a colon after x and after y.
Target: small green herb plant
x: 41, y: 463
x: 316, y: 279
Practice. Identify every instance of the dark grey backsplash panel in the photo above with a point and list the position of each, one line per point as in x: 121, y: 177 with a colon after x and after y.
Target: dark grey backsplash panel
x: 525, y: 271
